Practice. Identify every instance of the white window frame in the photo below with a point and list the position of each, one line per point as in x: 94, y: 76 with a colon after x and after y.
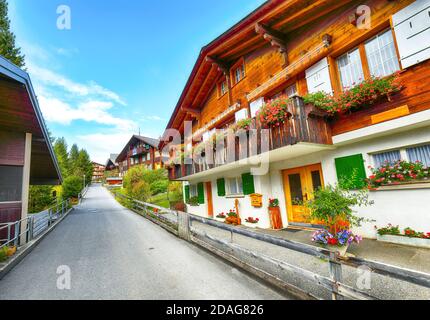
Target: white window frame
x: 239, y: 186
x: 241, y: 114
x: 255, y: 106
x: 360, y: 72
x: 403, y: 152
x: 194, y: 191
x: 395, y: 57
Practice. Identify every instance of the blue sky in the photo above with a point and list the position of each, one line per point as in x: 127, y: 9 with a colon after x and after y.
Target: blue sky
x: 121, y: 66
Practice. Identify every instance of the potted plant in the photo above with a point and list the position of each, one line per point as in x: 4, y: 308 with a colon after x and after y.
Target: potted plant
x: 409, y: 237
x: 252, y: 221
x: 232, y: 218
x: 244, y: 124
x: 274, y: 112
x: 193, y: 201
x: 275, y: 214
x: 333, y: 207
x: 340, y: 240
x: 221, y: 216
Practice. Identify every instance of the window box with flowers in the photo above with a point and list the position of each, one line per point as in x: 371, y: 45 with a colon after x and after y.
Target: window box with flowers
x: 274, y: 112
x: 221, y: 217
x: 409, y: 237
x: 400, y: 173
x: 366, y: 94
x: 252, y: 222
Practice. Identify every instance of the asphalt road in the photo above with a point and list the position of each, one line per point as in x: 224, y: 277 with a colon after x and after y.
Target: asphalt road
x: 113, y: 253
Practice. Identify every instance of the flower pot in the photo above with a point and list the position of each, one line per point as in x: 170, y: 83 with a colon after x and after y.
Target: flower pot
x: 275, y: 218
x: 406, y: 241
x: 11, y: 251
x: 232, y: 220
x: 341, y: 250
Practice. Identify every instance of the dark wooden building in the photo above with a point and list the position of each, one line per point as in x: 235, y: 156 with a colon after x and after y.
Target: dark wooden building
x: 26, y: 154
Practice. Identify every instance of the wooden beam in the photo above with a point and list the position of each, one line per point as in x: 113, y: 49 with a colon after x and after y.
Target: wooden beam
x: 222, y: 65
x: 193, y: 112
x: 275, y: 37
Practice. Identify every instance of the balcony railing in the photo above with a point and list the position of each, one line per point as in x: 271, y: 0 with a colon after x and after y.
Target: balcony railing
x: 304, y: 125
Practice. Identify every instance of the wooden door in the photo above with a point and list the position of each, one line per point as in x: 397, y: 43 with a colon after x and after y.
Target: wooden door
x: 300, y: 184
x: 209, y: 197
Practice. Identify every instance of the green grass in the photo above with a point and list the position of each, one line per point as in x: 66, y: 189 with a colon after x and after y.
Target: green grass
x: 160, y: 200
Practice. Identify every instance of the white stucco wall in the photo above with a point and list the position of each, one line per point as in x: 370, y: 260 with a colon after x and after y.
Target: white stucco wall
x: 406, y: 208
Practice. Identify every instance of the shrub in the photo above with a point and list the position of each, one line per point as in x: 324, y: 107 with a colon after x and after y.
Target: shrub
x: 72, y: 186
x: 334, y: 205
x: 3, y: 254
x: 158, y: 187
x: 193, y: 201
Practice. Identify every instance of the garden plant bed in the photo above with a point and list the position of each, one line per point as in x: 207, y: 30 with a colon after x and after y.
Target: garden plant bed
x: 407, y: 241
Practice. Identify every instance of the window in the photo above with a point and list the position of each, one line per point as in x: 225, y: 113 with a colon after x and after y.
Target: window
x: 10, y: 183
x: 255, y: 106
x: 421, y: 154
x: 241, y: 114
x: 383, y: 158
x: 318, y: 77
x: 291, y: 91
x: 350, y: 69
x: 223, y: 88
x: 381, y: 55
x: 239, y: 73
x: 194, y: 191
x: 234, y: 186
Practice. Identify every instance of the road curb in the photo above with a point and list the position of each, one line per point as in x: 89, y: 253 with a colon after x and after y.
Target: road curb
x: 25, y: 250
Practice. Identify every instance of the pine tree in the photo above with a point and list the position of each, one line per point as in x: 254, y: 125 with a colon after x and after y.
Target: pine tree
x: 85, y: 166
x: 60, y: 149
x: 73, y: 160
x: 8, y: 48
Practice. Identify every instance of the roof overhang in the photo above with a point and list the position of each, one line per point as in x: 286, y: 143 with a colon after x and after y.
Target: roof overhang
x: 20, y: 112
x: 284, y: 16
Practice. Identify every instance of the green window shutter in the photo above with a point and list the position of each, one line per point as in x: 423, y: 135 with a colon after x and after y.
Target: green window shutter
x: 187, y: 193
x: 346, y: 167
x: 201, y: 193
x: 248, y: 183
x: 220, y: 183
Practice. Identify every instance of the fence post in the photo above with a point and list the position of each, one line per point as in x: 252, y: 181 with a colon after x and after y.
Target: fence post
x: 184, y: 225
x: 16, y: 233
x: 335, y: 275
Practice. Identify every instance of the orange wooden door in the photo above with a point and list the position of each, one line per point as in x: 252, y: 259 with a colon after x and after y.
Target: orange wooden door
x: 209, y: 197
x: 300, y: 184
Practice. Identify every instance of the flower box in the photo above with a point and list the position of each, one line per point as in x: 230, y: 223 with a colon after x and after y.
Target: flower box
x: 407, y: 241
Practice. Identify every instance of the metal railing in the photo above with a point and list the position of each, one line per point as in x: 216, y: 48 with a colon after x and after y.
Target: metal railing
x: 35, y: 224
x: 334, y: 283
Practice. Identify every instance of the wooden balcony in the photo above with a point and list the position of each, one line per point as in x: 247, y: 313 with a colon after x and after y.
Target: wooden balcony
x: 305, y: 125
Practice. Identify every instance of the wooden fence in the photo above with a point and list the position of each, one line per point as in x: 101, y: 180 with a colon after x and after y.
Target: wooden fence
x: 334, y: 283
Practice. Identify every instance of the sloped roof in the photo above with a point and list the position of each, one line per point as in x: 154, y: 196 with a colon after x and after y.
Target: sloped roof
x: 20, y: 112
x: 134, y: 139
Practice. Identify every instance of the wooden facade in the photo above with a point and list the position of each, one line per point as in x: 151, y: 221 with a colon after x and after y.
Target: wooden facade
x: 98, y: 172
x: 276, y: 45
x: 26, y: 154
x: 140, y: 151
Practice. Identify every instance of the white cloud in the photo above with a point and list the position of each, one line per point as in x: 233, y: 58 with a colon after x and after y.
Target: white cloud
x: 49, y: 78
x: 55, y: 110
x: 152, y: 118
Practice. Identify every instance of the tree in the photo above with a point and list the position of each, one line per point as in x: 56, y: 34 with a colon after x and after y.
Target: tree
x: 72, y: 186
x: 135, y: 184
x: 8, y: 49
x: 74, y: 159
x: 41, y: 198
x: 84, y: 166
x: 60, y: 149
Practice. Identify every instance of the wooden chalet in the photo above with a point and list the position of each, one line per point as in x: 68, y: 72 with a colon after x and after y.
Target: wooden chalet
x: 294, y: 48
x: 26, y: 154
x: 140, y: 151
